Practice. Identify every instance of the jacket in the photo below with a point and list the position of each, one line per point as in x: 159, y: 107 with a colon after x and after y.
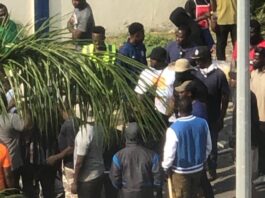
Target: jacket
x: 136, y: 171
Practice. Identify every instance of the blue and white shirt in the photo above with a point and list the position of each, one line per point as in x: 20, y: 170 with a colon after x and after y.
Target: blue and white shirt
x: 188, y: 145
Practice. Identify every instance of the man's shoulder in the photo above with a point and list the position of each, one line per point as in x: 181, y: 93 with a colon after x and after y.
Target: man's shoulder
x: 172, y: 45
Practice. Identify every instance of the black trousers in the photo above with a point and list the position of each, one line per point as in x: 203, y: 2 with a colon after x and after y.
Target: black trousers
x: 90, y: 189
x: 222, y: 33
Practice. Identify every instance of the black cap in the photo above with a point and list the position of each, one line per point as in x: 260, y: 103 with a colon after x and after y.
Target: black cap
x: 159, y: 54
x: 132, y: 132
x: 201, y: 52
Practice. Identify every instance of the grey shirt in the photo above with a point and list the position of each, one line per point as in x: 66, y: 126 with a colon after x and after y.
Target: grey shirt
x: 89, y: 143
x: 10, y: 127
x: 84, y: 21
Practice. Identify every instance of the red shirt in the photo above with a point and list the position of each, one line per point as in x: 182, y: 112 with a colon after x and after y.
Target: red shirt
x: 251, y: 52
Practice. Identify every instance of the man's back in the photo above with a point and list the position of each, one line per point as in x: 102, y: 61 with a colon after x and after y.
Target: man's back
x: 187, y: 143
x: 136, y: 169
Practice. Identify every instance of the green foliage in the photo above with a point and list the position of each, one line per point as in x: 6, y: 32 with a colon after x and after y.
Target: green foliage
x: 153, y: 40
x: 260, y: 15
x: 45, y: 74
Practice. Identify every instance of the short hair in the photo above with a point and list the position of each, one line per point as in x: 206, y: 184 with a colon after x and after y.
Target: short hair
x: 260, y: 50
x: 255, y: 26
x: 185, y: 105
x: 135, y: 27
x: 186, y: 29
x: 99, y: 30
x: 2, y: 6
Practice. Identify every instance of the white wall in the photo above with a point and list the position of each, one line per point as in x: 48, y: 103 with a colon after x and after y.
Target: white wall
x: 116, y: 15
x: 21, y: 11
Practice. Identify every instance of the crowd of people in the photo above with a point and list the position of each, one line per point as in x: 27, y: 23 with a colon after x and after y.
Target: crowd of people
x: 192, y: 96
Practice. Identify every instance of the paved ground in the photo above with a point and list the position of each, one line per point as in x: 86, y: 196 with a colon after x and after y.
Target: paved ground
x: 224, y: 186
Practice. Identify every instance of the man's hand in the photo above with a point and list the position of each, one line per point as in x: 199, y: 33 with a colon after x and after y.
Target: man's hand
x: 52, y: 160
x: 74, y: 188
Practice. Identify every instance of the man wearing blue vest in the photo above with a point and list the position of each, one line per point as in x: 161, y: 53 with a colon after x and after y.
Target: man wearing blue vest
x: 187, y: 146
x: 98, y: 46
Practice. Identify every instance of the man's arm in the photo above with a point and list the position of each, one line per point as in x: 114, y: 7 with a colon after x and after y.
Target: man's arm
x: 78, y: 166
x: 115, y: 174
x: 169, y: 149
x: 209, y: 142
x: 9, y: 178
x: 53, y: 159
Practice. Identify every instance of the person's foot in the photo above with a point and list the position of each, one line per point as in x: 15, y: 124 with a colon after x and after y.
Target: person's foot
x: 212, y: 175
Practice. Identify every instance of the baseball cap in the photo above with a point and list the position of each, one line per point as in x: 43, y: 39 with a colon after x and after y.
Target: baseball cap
x: 201, y: 52
x: 183, y: 86
x: 181, y: 65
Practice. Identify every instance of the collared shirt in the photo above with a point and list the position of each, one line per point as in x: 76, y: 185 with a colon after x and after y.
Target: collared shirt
x: 175, y: 51
x: 134, y: 51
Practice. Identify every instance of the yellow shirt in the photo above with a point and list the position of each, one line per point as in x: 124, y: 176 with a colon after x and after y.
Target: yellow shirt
x: 226, y: 12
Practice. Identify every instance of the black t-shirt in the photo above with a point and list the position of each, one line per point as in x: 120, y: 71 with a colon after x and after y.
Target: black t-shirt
x: 217, y: 86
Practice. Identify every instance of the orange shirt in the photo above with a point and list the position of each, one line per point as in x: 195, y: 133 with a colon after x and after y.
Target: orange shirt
x: 5, y: 162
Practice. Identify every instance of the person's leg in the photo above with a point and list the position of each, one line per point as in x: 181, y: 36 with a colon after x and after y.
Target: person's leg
x: 233, y: 33
x: 29, y: 182
x: 67, y: 181
x: 110, y: 191
x: 206, y: 186
x: 181, y: 185
x: 212, y: 160
x: 221, y: 41
x: 91, y: 188
x: 47, y: 176
x: 195, y: 184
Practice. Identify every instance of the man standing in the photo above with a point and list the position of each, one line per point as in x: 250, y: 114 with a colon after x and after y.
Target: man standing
x: 257, y: 87
x: 134, y: 48
x: 82, y: 21
x: 182, y: 47
x: 226, y: 21
x: 11, y: 125
x: 161, y: 78
x: 135, y: 170
x: 99, y: 45
x: 66, y: 146
x: 88, y: 161
x: 187, y: 146
x: 218, y: 98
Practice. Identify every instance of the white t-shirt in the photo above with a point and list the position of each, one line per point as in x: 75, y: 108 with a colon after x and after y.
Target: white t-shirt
x: 164, y: 91
x: 9, y: 96
x: 89, y: 143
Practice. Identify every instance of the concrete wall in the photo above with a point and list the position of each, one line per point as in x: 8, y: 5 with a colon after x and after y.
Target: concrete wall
x: 114, y: 15
x: 21, y: 11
